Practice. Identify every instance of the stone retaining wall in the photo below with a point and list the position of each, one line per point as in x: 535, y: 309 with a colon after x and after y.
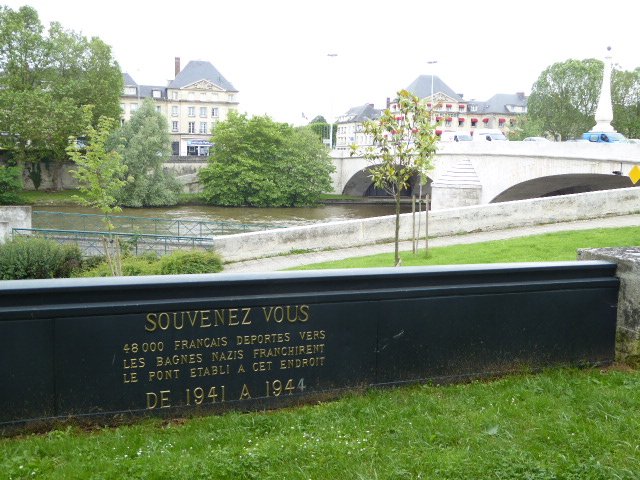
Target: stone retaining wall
x: 628, y: 318
x: 444, y: 222
x: 13, y: 217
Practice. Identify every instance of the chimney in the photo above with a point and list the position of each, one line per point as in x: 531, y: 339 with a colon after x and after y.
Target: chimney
x: 177, y: 66
x: 520, y: 95
x: 388, y: 102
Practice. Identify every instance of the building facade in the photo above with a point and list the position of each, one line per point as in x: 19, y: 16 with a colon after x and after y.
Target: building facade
x: 450, y: 112
x: 350, y: 126
x: 197, y: 98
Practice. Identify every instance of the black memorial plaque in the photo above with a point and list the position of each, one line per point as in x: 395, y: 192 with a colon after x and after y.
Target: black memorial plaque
x: 162, y: 345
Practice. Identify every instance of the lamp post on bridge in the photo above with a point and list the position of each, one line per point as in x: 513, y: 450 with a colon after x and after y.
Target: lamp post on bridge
x: 331, y: 56
x: 431, y: 62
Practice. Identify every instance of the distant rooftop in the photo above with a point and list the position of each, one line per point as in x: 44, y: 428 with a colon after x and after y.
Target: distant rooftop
x: 421, y: 87
x: 194, y: 72
x: 360, y: 114
x: 197, y: 70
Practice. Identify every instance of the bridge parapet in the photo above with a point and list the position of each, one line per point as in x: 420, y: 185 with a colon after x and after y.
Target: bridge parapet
x: 471, y: 173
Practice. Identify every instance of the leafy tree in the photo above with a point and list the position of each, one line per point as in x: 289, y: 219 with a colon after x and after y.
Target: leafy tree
x: 145, y: 144
x: 45, y: 80
x: 10, y: 184
x: 100, y: 173
x: 261, y: 163
x: 526, y: 127
x: 404, y: 144
x: 565, y: 97
x: 322, y: 130
x: 625, y: 93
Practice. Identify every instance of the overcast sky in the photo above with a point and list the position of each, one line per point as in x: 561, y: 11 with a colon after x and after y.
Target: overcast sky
x: 275, y: 52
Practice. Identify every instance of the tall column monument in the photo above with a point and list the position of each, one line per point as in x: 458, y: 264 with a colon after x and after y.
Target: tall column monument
x: 604, y: 112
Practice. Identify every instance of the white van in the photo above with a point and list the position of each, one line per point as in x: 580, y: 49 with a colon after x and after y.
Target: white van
x: 455, y: 137
x: 488, y: 135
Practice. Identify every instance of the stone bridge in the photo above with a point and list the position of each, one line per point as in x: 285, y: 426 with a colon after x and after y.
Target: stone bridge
x: 475, y: 173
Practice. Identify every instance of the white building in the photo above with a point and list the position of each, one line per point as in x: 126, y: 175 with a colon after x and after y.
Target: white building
x: 450, y: 111
x: 193, y: 103
x: 350, y: 126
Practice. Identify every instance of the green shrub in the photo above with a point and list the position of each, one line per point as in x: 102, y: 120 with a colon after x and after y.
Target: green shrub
x: 131, y: 267
x: 33, y: 257
x: 150, y: 264
x: 190, y: 262
x: 10, y: 185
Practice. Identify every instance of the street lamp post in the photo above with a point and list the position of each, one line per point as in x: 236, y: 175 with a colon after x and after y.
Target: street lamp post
x: 331, y: 55
x: 426, y: 208
x: 431, y: 62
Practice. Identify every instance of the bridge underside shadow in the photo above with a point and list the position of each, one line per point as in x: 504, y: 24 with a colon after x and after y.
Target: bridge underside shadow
x: 361, y: 185
x: 562, y: 185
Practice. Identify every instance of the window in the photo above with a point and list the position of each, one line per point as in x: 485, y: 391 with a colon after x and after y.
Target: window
x: 133, y: 107
x: 158, y: 108
x: 203, y: 127
x: 203, y: 97
x: 230, y: 97
x: 156, y: 93
x: 192, y: 111
x: 175, y: 148
x: 214, y: 112
x: 174, y: 95
x: 130, y: 90
x: 192, y: 127
x: 191, y: 96
x: 174, y: 111
x: 192, y: 150
x: 203, y: 112
x: 473, y: 108
x: 174, y: 126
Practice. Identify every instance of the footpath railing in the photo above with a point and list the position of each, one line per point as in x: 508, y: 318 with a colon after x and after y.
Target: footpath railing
x: 88, y: 222
x: 93, y: 243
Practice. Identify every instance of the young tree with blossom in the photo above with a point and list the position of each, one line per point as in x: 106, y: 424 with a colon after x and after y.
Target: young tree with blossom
x: 404, y: 145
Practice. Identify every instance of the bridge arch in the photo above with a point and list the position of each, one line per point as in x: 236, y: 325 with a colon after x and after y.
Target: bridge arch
x: 361, y: 185
x: 562, y: 185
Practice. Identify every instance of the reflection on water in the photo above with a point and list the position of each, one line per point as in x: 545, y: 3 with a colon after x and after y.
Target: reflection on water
x: 279, y: 216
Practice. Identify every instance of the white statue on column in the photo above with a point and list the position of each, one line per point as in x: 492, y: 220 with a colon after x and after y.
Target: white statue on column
x: 604, y: 112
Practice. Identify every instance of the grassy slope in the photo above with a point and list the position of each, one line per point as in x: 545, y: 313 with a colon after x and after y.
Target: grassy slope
x: 565, y: 424
x: 547, y: 247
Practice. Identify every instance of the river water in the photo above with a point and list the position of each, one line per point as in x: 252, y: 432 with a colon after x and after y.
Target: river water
x: 276, y: 216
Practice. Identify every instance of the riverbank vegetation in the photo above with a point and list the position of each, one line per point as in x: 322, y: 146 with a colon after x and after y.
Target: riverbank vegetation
x: 257, y: 162
x: 557, y: 424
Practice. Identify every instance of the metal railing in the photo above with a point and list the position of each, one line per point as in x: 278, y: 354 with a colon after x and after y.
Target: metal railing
x: 89, y: 222
x: 93, y: 243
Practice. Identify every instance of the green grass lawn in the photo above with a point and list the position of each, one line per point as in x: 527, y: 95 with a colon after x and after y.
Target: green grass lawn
x: 538, y: 248
x: 45, y: 198
x: 64, y: 198
x: 558, y: 424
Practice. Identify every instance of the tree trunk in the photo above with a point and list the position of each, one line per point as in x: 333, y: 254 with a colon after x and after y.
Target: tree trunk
x: 397, y: 237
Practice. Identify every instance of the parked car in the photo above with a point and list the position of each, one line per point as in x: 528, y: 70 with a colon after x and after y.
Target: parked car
x: 604, y: 137
x: 455, y: 137
x: 535, y: 139
x: 488, y: 135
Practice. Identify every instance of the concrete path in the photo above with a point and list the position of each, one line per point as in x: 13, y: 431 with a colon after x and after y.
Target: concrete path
x: 283, y: 262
